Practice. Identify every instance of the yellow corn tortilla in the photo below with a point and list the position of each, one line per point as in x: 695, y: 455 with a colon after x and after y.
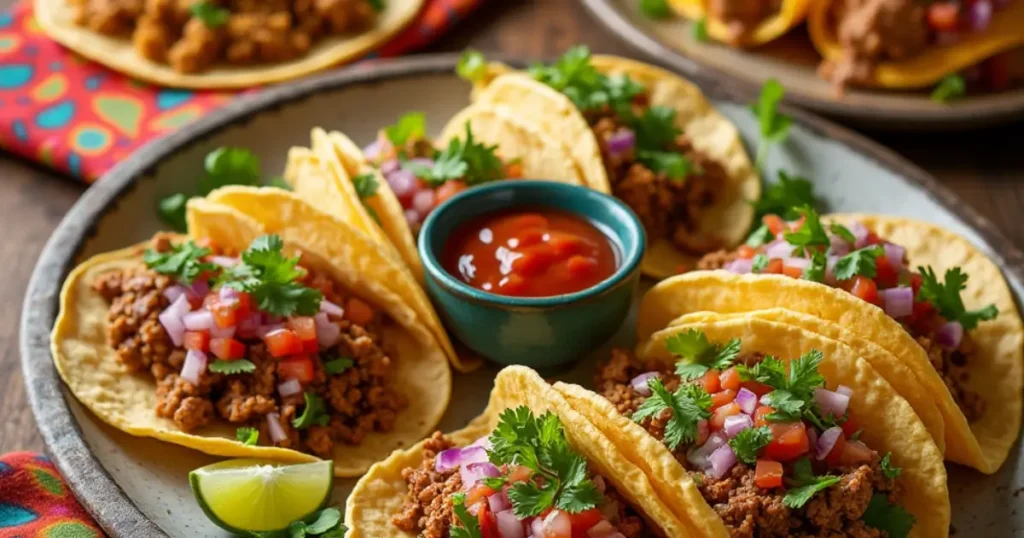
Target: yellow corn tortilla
x: 890, y: 424
x: 790, y: 15
x: 380, y: 493
x: 935, y: 63
x: 127, y: 401
x: 710, y: 132
x: 56, y: 18
x: 997, y: 369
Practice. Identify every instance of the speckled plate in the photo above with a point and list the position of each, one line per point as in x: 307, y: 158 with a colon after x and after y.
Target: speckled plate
x: 793, y: 61
x: 138, y: 488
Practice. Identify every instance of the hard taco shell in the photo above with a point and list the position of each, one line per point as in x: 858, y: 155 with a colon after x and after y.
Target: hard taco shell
x: 791, y: 14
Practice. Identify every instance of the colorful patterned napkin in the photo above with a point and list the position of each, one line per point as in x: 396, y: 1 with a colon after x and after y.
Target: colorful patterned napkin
x: 36, y: 503
x: 78, y: 117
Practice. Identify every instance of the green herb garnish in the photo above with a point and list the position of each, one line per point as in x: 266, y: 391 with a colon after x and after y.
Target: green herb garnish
x: 470, y: 525
x: 950, y: 88
x: 888, y: 469
x: 811, y: 234
x: 171, y: 210
x: 842, y: 232
x: 272, y: 279
x: 377, y: 5
x: 697, y: 355
x: 212, y: 15
x: 759, y: 263
x: 761, y: 236
x: 689, y: 403
x: 574, y: 76
x: 700, y: 29
x: 946, y: 297
x: 655, y: 9
x: 232, y: 367
x: 785, y: 196
x: 815, y: 272
x: 183, y: 261
x: 804, y: 485
x: 472, y: 65
x: 674, y: 165
x: 247, y: 435
x: 891, y: 518
x: 338, y: 366
x: 793, y: 397
x: 464, y: 159
x: 749, y: 442
x: 411, y: 126
x: 863, y: 261
x: 774, y: 127
x: 325, y: 523
x: 314, y: 413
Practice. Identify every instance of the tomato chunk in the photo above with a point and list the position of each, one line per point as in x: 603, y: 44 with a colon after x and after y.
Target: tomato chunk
x: 731, y: 379
x: 583, y: 521
x: 760, y: 413
x: 774, y: 223
x: 835, y: 456
x: 197, y: 340
x: 746, y: 252
x: 225, y: 314
x: 514, y: 170
x: 300, y: 368
x: 865, y: 289
x: 887, y: 276
x: 768, y: 474
x: 358, y: 312
x: 789, y: 441
x: 488, y: 523
x: 774, y: 267
x: 711, y: 381
x: 757, y: 387
x: 855, y: 453
x: 721, y: 398
x: 792, y: 272
x: 447, y: 190
x: 944, y: 16
x: 850, y: 426
x: 283, y: 342
x: 521, y: 473
x: 478, y: 492
x: 717, y: 421
x: 227, y: 348
x: 305, y: 328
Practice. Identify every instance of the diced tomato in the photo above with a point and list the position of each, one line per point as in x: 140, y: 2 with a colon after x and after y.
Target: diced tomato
x: 487, y: 521
x: 358, y: 312
x: 514, y: 170
x: 944, y: 16
x: 583, y: 521
x: 305, y: 328
x: 283, y: 342
x: 721, y: 398
x: 225, y: 314
x: 557, y: 525
x: 872, y: 239
x: 855, y: 452
x: 581, y: 266
x: 244, y: 304
x: 197, y: 340
x: 711, y: 381
x: 447, y: 190
x: 774, y: 267
x: 300, y: 368
x: 227, y: 348
x: 731, y: 379
x: 760, y: 389
x: 746, y: 252
x: 520, y: 474
x: 915, y: 282
x: 768, y: 474
x: 774, y: 223
x: 850, y: 426
x: 479, y: 492
x: 887, y: 276
x: 835, y: 456
x: 717, y: 421
x: 789, y: 441
x: 760, y: 413
x: 865, y: 289
x: 792, y: 272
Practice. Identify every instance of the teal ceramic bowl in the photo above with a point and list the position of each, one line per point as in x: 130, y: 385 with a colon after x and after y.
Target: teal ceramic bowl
x: 533, y: 331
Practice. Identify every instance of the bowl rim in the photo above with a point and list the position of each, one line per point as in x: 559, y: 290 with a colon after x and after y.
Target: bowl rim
x: 630, y: 261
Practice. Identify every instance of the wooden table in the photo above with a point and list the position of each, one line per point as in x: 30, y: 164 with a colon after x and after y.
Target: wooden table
x: 984, y: 167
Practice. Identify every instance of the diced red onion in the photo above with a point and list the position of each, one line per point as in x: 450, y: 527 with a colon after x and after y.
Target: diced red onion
x: 223, y: 261
x: 290, y: 387
x: 170, y: 318
x: 747, y: 400
x: 448, y: 459
x: 274, y: 427
x: 222, y: 332
x: 765, y: 400
x: 621, y: 142
x: 778, y: 249
x: 327, y: 332
x: 173, y: 292
x: 200, y: 288
x: 423, y: 201
x: 200, y: 320
x: 537, y: 528
x: 473, y: 454
x: 412, y: 217
x: 271, y: 319
x: 838, y: 246
x: 740, y: 266
x: 827, y: 441
x: 980, y: 15
x: 267, y: 329
x: 831, y: 402
x: 599, y: 483
x: 737, y: 423
x: 639, y: 383
x: 498, y: 502
x: 894, y: 253
x: 899, y: 301
x: 797, y: 263
x: 484, y: 443
x: 227, y: 293
x: 372, y: 150
x: 860, y: 234
x: 844, y: 390
x: 557, y: 524
x: 699, y: 456
x: 389, y: 166
x: 950, y: 335
x: 830, y: 266
x: 403, y: 182
x: 603, y: 529
x: 859, y: 448
x: 509, y: 525
x: 331, y: 309
x: 473, y: 472
x: 249, y: 326
x: 721, y: 461
x: 195, y: 363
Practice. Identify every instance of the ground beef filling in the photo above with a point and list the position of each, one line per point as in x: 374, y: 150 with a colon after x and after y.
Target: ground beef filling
x: 747, y: 510
x: 875, y: 31
x: 668, y: 208
x: 360, y: 400
x: 255, y: 31
x: 741, y: 17
x: 427, y: 511
x: 951, y: 365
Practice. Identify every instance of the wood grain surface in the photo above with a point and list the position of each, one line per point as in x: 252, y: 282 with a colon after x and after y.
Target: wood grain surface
x: 986, y: 168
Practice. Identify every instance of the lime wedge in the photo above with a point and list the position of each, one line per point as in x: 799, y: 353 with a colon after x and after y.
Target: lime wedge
x: 250, y: 495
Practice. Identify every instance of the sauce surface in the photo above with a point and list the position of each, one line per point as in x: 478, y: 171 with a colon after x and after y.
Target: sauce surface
x: 529, y: 253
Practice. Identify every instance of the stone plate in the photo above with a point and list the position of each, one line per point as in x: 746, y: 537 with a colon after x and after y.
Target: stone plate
x: 138, y: 488
x: 793, y: 61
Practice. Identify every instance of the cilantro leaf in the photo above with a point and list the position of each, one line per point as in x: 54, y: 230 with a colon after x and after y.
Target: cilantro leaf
x: 574, y: 76
x: 410, y: 126
x: 212, y: 15
x: 656, y: 129
x: 761, y: 236
x: 946, y: 297
x: 689, y: 403
x: 749, y: 442
x: 366, y: 185
x: 888, y: 469
x: 862, y: 261
x: 774, y: 126
x: 271, y: 279
x: 470, y: 527
x: 472, y: 65
x: 230, y: 166
x: 247, y: 435
x: 183, y: 261
x: 338, y: 366
x: 800, y: 378
x: 655, y: 9
x: 783, y: 197
x: 891, y: 518
x: 815, y: 272
x: 759, y: 263
x: 377, y: 5
x: 314, y: 412
x: 950, y: 88
x: 811, y: 233
x: 699, y: 30
x: 232, y: 367
x: 464, y: 159
x: 804, y: 485
x: 697, y: 355
x: 171, y: 210
x: 674, y: 165
x: 324, y: 520
x: 842, y: 232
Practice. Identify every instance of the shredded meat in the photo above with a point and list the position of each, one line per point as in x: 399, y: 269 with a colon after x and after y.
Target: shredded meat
x: 742, y: 16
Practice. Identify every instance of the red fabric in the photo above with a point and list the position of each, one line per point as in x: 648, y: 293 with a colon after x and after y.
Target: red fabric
x: 36, y: 503
x: 81, y: 118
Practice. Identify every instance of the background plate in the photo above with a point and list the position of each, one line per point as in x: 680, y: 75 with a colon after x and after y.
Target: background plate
x: 793, y: 61
x: 138, y: 488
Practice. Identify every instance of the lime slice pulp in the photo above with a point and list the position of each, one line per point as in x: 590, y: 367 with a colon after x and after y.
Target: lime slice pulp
x: 247, y: 495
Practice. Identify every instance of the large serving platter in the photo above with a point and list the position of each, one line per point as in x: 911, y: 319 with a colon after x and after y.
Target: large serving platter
x: 138, y: 488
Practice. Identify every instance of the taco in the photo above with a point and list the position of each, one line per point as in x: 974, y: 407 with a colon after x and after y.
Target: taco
x: 923, y: 294
x: 744, y: 23
x: 236, y: 342
x: 221, y: 44
x: 528, y: 462
x: 646, y: 136
x: 756, y: 428
x: 903, y: 44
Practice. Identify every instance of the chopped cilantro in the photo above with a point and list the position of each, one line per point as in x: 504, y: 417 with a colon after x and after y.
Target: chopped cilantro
x: 842, y: 232
x: 470, y: 526
x: 338, y: 366
x: 212, y: 15
x: 230, y: 166
x: 804, y: 485
x: 811, y: 233
x: 815, y: 272
x: 856, y: 435
x: 700, y: 29
x: 759, y: 263
x: 697, y: 355
x: 783, y: 197
x: 314, y: 413
x: 862, y: 261
x: 891, y: 518
x: 539, y: 443
x: 325, y: 523
x: 183, y: 261
x: 366, y: 185
x: 761, y: 236
x: 464, y: 159
x: 950, y: 88
x: 689, y: 403
x: 799, y: 379
x: 946, y: 297
x: 247, y: 435
x: 410, y: 126
x: 787, y: 406
x: 171, y: 210
x: 574, y: 76
x: 674, y: 165
x: 656, y: 129
x: 232, y: 367
x: 271, y: 279
x: 749, y: 442
x: 377, y: 5
x: 472, y: 65
x: 655, y: 9
x: 888, y: 469
x: 774, y: 126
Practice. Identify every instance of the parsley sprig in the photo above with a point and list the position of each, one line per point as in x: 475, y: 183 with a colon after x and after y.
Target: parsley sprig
x: 803, y: 484
x: 689, y: 403
x: 183, y: 261
x: 464, y: 159
x: 655, y: 9
x: 697, y: 355
x: 949, y: 89
x: 212, y: 15
x: 271, y: 279
x: 945, y: 296
x: 574, y: 76
x: 339, y: 365
x: 888, y: 469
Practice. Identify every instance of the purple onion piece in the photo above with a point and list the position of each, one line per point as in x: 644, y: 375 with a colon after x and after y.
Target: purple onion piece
x: 621, y: 142
x: 860, y: 234
x: 827, y: 441
x: 740, y: 266
x: 448, y: 459
x: 831, y: 402
x: 844, y: 390
x: 639, y: 383
x: 980, y: 15
x: 509, y: 525
x: 327, y: 332
x: 372, y: 150
x: 895, y: 254
x: 747, y: 400
x: 219, y: 332
x: 737, y: 423
x: 200, y: 289
x: 331, y: 309
x: 274, y: 427
x: 898, y: 302
x: 498, y: 502
x: 950, y: 335
x: 200, y: 320
x: 778, y: 249
x: 195, y: 363
x: 474, y: 472
x: 721, y: 461
x: 389, y: 166
x: 289, y: 388
x: 797, y: 263
x: 173, y: 292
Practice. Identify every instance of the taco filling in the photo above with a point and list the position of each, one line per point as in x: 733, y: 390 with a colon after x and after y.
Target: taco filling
x: 771, y: 450
x: 254, y: 339
x: 191, y: 37
x: 741, y: 17
x: 857, y: 260
x: 522, y: 480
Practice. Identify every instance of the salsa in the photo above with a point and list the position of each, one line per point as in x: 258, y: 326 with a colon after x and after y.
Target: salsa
x: 529, y: 253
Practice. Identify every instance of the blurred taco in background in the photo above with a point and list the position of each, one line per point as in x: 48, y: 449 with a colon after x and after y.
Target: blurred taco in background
x: 922, y: 293
x: 744, y: 23
x: 528, y: 466
x: 237, y: 342
x: 754, y: 428
x: 905, y: 44
x: 644, y: 135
